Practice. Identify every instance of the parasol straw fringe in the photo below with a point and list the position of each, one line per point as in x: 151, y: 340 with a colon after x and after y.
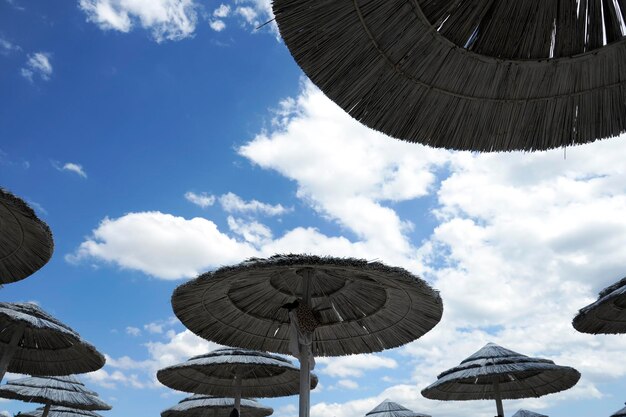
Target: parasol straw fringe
x: 474, y: 75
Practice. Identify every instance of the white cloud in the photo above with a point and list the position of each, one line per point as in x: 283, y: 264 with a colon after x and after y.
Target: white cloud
x: 347, y: 384
x: 222, y: 11
x: 217, y: 25
x: 133, y: 331
x: 232, y: 203
x: 203, y: 200
x: 75, y: 168
x: 37, y: 65
x: 354, y: 366
x: 165, y: 19
x: 154, y: 328
x: 7, y: 47
x: 252, y: 232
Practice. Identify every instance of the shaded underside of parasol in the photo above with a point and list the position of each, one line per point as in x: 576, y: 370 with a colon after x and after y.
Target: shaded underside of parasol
x: 64, y: 391
x: 58, y: 411
x: 208, y: 406
x: 261, y: 374
x: 47, y: 346
x: 361, y: 306
x: 482, y: 75
x: 526, y: 413
x: 25, y: 241
x: 607, y: 315
x: 392, y: 409
x: 518, y: 376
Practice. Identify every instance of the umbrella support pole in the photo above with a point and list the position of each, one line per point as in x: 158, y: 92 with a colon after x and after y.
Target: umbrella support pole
x: 499, y: 406
x: 10, y: 350
x: 46, y: 410
x: 305, y: 367
x: 238, y: 382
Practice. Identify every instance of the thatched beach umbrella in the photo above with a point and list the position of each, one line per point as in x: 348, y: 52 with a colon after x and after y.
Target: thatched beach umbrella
x: 33, y: 342
x: 607, y: 315
x: 57, y: 411
x: 496, y: 373
x: 620, y: 413
x: 484, y: 75
x: 526, y: 413
x: 389, y: 408
x: 208, y: 406
x: 65, y: 391
x: 235, y: 373
x: 308, y: 305
x: 25, y: 241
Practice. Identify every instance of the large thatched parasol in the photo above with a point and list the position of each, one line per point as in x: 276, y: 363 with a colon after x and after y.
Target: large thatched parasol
x: 57, y: 411
x: 389, y: 408
x: 620, y: 413
x: 25, y: 241
x: 496, y: 373
x: 607, y: 314
x: 235, y: 373
x: 66, y: 391
x: 308, y: 305
x: 526, y: 413
x: 479, y: 75
x: 208, y: 406
x: 33, y: 342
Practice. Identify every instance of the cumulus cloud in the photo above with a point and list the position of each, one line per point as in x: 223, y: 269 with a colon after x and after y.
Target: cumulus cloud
x: 7, y: 47
x: 203, y: 200
x: 165, y: 19
x: 37, y: 66
x: 355, y: 365
x: 217, y: 25
x: 232, y: 203
x: 133, y: 331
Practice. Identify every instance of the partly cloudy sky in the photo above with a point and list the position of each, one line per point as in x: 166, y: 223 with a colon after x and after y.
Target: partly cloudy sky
x: 161, y: 139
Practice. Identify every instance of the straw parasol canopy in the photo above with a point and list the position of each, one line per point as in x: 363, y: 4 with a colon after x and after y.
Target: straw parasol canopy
x: 208, y: 406
x: 483, y: 75
x: 66, y: 391
x: 496, y: 373
x: 57, y: 411
x: 33, y: 342
x: 607, y: 315
x: 391, y: 409
x: 308, y: 305
x: 225, y: 372
x: 526, y: 413
x: 620, y: 413
x: 25, y: 241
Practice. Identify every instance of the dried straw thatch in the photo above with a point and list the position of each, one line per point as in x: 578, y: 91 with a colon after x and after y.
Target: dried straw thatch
x: 361, y: 306
x: 33, y: 342
x: 25, y: 241
x: 56, y: 411
x: 481, y: 75
x: 391, y: 409
x: 65, y: 391
x: 526, y: 413
x: 607, y: 315
x: 620, y: 413
x: 496, y: 373
x: 226, y: 372
x: 207, y: 406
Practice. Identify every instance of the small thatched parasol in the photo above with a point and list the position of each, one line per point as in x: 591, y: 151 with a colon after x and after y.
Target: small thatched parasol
x: 208, y: 406
x: 480, y: 75
x: 496, y: 373
x: 235, y: 373
x: 57, y: 411
x: 33, y: 342
x: 308, y: 305
x: 607, y: 314
x: 66, y: 391
x: 526, y: 413
x: 620, y: 413
x: 25, y: 241
x: 391, y: 409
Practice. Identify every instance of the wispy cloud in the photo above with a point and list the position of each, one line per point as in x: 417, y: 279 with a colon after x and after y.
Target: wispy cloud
x: 133, y: 331
x: 232, y: 203
x: 71, y: 167
x: 37, y: 65
x: 203, y: 200
x: 6, y: 47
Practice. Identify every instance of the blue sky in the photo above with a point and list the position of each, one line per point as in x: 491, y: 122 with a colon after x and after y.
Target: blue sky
x: 160, y: 139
